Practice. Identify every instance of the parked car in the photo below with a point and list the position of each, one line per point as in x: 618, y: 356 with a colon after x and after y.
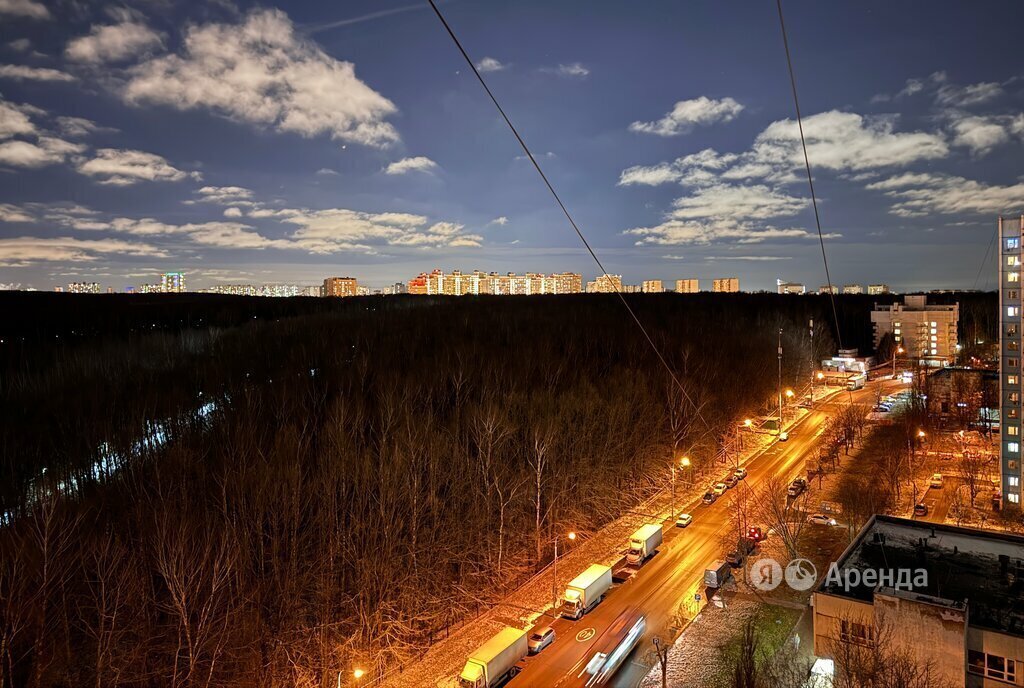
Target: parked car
x: 709, y: 497
x: 740, y: 473
x: 684, y: 520
x: 797, y: 487
x: 936, y: 480
x: 719, y: 489
x: 821, y: 520
x: 730, y: 481
x: 921, y: 510
x: 783, y: 436
x: 540, y: 638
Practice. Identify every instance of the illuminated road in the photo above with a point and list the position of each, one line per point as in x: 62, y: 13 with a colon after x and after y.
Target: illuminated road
x: 676, y: 573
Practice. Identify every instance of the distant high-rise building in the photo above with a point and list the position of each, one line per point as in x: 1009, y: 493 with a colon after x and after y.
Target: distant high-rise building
x: 726, y: 284
x: 687, y: 286
x: 605, y: 284
x: 853, y: 289
x: 315, y: 290
x: 652, y: 286
x: 172, y: 282
x: 926, y: 332
x: 151, y: 289
x: 59, y: 290
x: 362, y: 291
x: 878, y: 289
x: 340, y: 286
x: 1011, y: 235
x: 84, y: 288
x: 828, y: 289
x: 398, y: 288
x: 790, y: 287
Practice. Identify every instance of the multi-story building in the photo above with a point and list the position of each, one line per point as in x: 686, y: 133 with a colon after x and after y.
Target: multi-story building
x: 790, y: 287
x: 687, y: 286
x: 84, y: 288
x: 457, y: 283
x: 340, y: 286
x: 314, y: 290
x: 927, y: 333
x: 652, y: 286
x: 940, y: 595
x: 828, y: 289
x: 1011, y: 234
x: 853, y: 289
x: 172, y: 282
x: 878, y: 289
x: 605, y: 283
x: 726, y: 284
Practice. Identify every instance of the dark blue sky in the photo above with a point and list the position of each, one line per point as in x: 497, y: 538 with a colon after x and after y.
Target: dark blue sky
x: 258, y: 143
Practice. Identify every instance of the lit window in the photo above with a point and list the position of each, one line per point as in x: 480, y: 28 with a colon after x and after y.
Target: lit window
x: 1013, y: 497
x: 1013, y: 481
x: 1013, y: 277
x: 1013, y: 430
x: 896, y: 330
x: 933, y: 324
x: 935, y: 352
x: 1011, y: 379
x: 1013, y: 242
x: 1013, y: 447
x: 1012, y: 311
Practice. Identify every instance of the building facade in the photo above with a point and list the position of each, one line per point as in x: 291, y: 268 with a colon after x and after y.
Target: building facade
x: 687, y: 286
x: 1011, y: 234
x: 84, y: 288
x: 826, y: 289
x: 927, y: 333
x: 605, y: 284
x: 340, y: 286
x: 943, y: 595
x: 878, y: 289
x: 853, y: 289
x: 172, y: 282
x: 652, y: 287
x: 726, y: 284
x: 790, y: 287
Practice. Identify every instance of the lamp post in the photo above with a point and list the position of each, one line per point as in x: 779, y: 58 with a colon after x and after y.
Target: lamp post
x: 789, y: 396
x: 685, y: 463
x: 554, y: 573
x: 672, y: 470
x: 895, y: 353
x: 357, y: 674
x: 821, y: 376
x: 780, y: 382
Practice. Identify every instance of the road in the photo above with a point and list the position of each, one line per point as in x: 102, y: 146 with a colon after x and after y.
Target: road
x: 675, y: 574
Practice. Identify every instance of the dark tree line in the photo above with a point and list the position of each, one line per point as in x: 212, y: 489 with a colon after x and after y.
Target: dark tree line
x: 367, y: 474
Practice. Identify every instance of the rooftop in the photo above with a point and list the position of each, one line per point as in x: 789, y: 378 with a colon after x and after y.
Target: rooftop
x: 981, y: 569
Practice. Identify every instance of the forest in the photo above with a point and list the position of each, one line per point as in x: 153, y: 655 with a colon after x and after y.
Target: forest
x: 227, y: 491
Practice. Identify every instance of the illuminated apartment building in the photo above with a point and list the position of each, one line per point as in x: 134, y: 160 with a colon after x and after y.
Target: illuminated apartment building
x: 687, y: 286
x: 790, y: 287
x: 726, y: 284
x: 84, y: 288
x: 172, y: 282
x: 926, y: 332
x: 878, y: 289
x: 340, y: 286
x: 652, y: 287
x: 605, y: 284
x: 1011, y: 234
x: 853, y: 289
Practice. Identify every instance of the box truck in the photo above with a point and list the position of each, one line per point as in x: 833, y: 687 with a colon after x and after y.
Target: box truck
x: 495, y: 660
x: 644, y: 543
x: 716, y: 574
x: 586, y: 590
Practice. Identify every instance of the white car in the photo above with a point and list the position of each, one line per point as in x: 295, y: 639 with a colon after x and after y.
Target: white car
x: 719, y: 489
x: 936, y: 480
x: 821, y: 520
x: 740, y: 473
x: 684, y: 520
x: 783, y: 436
x: 540, y: 638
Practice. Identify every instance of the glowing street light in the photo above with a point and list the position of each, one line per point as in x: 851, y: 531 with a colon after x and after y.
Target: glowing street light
x: 358, y: 673
x: 554, y: 571
x: 821, y: 375
x: 748, y: 423
x: 685, y: 462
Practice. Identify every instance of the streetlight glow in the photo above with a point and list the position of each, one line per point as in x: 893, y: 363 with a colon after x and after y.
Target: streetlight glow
x: 358, y: 673
x: 571, y: 536
x: 821, y: 375
x: 789, y: 393
x: 920, y: 433
x: 748, y: 422
x: 685, y: 462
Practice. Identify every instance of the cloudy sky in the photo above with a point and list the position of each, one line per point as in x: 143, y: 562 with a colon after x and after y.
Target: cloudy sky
x: 258, y: 143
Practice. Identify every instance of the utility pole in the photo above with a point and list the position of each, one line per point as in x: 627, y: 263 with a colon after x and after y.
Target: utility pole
x: 780, y: 381
x: 812, y: 360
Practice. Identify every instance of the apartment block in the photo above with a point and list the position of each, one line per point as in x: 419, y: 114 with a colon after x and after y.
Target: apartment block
x: 605, y: 284
x: 926, y: 332
x: 878, y: 289
x: 726, y: 284
x: 687, y: 286
x: 340, y: 286
x: 790, y: 287
x: 1011, y: 234
x: 853, y: 289
x: 652, y: 287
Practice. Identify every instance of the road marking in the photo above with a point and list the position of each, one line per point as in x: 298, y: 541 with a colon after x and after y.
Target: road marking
x: 585, y: 635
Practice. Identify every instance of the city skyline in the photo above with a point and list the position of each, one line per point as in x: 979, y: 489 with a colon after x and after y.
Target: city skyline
x: 129, y: 149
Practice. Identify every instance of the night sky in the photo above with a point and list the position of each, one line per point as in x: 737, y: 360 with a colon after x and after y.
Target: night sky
x: 262, y: 143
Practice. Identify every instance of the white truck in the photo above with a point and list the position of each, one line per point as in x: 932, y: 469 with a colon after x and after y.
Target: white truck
x: 586, y: 590
x: 644, y: 543
x: 495, y: 660
x: 855, y: 382
x: 716, y: 574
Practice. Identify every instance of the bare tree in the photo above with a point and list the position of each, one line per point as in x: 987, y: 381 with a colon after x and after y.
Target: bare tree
x: 784, y: 514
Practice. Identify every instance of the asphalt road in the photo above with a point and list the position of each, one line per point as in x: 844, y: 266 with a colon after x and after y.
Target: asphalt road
x: 675, y: 574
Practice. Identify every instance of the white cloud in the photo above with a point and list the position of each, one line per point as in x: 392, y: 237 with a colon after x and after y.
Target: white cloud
x: 77, y: 127
x: 674, y: 256
x: 20, y: 45
x: 23, y: 73
x: 125, y: 167
x: 687, y: 114
x: 489, y: 64
x: 226, y: 195
x: 13, y: 213
x: 334, y: 229
x: 46, y: 151
x: 260, y: 71
x: 417, y: 164
x: 980, y: 134
x: 680, y: 232
x: 232, y: 212
x: 732, y: 202
x: 24, y: 8
x: 920, y: 195
x: 21, y: 251
x: 501, y: 221
x: 327, y: 171
x: 14, y: 121
x: 113, y: 43
x: 964, y: 96
x: 573, y: 70
x: 695, y: 169
x: 748, y: 258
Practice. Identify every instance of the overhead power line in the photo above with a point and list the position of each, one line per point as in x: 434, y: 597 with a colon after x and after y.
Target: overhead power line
x: 807, y: 166
x: 565, y: 211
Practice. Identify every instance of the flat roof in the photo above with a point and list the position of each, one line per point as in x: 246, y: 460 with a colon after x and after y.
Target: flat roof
x: 983, y: 569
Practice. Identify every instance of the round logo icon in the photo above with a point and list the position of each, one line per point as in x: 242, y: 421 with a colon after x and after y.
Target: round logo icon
x: 801, y: 574
x: 585, y: 635
x: 766, y: 574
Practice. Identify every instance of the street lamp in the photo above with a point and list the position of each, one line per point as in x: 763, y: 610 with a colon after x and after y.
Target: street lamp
x: 357, y: 674
x: 899, y: 350
x: 554, y: 572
